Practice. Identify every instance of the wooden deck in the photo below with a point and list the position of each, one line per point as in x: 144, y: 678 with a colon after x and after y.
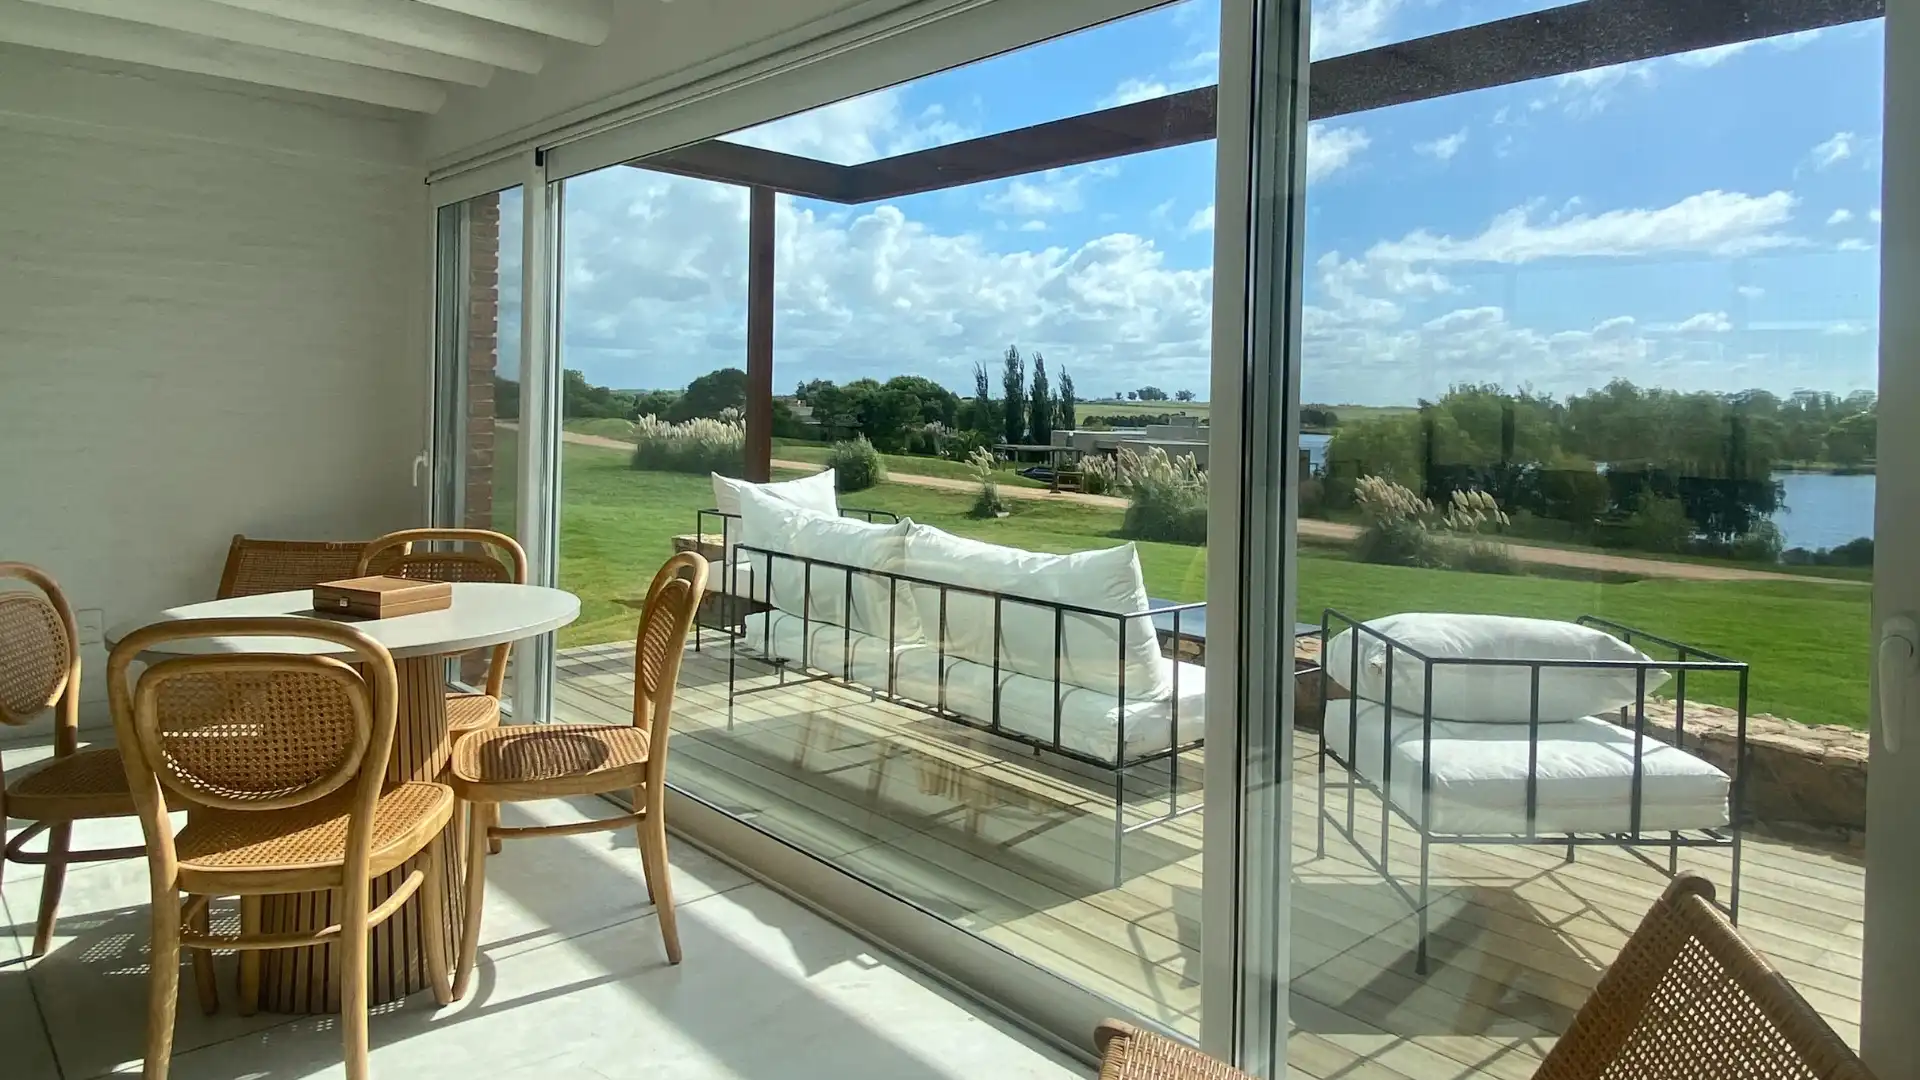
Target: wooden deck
x: 1019, y: 851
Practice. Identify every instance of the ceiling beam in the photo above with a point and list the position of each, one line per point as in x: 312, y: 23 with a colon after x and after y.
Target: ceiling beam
x: 224, y: 23
x: 407, y: 22
x: 1557, y: 41
x: 583, y: 22
x: 114, y: 39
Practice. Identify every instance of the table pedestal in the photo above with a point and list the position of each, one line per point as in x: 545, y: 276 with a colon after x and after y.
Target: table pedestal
x: 303, y: 980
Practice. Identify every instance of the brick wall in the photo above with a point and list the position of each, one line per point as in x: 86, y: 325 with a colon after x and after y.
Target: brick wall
x: 483, y: 356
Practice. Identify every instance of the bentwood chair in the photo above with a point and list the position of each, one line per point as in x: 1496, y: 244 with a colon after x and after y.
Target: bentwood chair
x: 542, y: 761
x: 40, y: 670
x: 255, y: 567
x: 281, y: 761
x: 506, y: 562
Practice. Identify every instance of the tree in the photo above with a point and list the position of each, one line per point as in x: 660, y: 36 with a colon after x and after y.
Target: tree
x: 934, y: 402
x: 1040, y: 404
x: 1064, y: 405
x: 1133, y: 395
x: 708, y: 394
x: 654, y: 403
x: 1183, y: 395
x: 1013, y: 394
x: 506, y: 398
x: 1150, y: 393
x: 579, y: 398
x: 1851, y: 441
x: 982, y: 400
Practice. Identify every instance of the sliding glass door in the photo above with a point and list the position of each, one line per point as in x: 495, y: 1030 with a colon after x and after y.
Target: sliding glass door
x: 1566, y: 342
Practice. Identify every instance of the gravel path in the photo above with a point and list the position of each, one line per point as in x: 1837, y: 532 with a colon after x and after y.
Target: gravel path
x: 1335, y: 530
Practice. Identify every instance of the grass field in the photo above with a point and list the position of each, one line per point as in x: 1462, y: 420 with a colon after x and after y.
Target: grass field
x: 816, y: 453
x: 1136, y: 408
x: 1807, y: 641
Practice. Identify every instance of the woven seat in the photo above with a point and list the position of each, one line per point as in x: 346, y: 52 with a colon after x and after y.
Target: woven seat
x: 86, y: 784
x: 538, y: 761
x: 281, y: 762
x: 219, y: 845
x: 561, y: 759
x: 471, y: 712
x: 40, y: 670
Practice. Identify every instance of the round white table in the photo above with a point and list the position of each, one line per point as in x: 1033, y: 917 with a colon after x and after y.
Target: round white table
x: 481, y: 616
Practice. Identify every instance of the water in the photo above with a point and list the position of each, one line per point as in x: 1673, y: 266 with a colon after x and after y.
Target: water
x: 1823, y: 510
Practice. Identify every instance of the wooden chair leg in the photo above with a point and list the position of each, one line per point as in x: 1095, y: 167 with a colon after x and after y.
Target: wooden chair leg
x: 249, y: 958
x: 59, y: 839
x: 163, y: 985
x: 476, y: 898
x: 653, y: 860
x: 352, y: 950
x: 493, y: 820
x: 640, y: 834
x: 203, y: 977
x: 434, y: 917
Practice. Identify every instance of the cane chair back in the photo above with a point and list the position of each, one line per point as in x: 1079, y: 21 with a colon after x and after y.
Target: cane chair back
x: 673, y: 599
x: 1688, y: 998
x: 256, y: 567
x: 407, y: 554
x: 39, y: 645
x: 1131, y: 1053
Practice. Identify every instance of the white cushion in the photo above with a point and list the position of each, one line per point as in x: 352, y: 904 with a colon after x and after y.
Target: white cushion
x: 814, y: 492
x: 1490, y: 693
x: 1583, y: 774
x: 772, y: 524
x: 1105, y: 580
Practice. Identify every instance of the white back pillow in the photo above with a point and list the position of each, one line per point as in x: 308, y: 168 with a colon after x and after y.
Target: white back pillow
x: 814, y: 492
x: 1490, y: 693
x: 822, y: 594
x: 1107, y: 580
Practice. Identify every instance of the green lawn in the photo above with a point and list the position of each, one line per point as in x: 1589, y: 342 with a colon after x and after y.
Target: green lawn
x: 1807, y: 641
x: 816, y: 453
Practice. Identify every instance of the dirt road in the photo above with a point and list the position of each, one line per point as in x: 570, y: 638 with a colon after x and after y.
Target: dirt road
x: 1334, y: 530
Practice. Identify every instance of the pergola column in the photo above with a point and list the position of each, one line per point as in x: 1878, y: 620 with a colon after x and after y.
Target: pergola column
x: 759, y: 449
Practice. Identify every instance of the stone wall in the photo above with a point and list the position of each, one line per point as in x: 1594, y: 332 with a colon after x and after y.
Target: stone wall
x: 1800, y: 778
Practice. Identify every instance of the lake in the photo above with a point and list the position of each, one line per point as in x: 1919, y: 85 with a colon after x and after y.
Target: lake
x: 1823, y: 510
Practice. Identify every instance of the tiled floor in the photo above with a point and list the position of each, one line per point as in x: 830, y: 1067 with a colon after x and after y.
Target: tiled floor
x: 572, y: 982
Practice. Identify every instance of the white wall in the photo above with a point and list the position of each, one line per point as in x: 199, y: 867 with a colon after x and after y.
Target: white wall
x: 211, y: 321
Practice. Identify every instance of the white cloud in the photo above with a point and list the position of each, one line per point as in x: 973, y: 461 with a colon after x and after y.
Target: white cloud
x: 1201, y: 221
x: 1712, y: 223
x: 1854, y: 244
x: 1835, y: 150
x: 1443, y: 148
x: 1873, y: 215
x: 856, y: 130
x: 1331, y: 148
x: 1035, y: 225
x: 1135, y: 89
x: 1056, y: 191
x: 1751, y: 292
x: 656, y: 292
x: 1712, y: 57
x: 1707, y: 322
x: 1344, y: 26
x: 1844, y: 328
x: 1840, y: 217
x: 1589, y: 92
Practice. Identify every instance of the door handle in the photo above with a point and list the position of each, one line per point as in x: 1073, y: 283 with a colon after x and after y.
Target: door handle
x: 421, y: 461
x: 1899, y: 662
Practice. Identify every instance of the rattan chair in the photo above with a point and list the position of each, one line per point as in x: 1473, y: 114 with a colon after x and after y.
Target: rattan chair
x: 542, y: 761
x: 281, y: 761
x: 255, y: 567
x: 40, y: 670
x: 1687, y: 997
x: 465, y: 712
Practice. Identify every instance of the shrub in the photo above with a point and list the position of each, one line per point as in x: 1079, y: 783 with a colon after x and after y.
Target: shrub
x: 1166, y: 497
x: 1762, y: 544
x: 988, y: 503
x: 1102, y: 475
x: 1398, y: 527
x: 696, y: 446
x: 1660, y: 524
x: 856, y: 464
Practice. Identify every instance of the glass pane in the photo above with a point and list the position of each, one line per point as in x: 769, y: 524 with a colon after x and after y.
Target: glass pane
x: 478, y: 408
x: 1596, y: 351
x: 1000, y: 375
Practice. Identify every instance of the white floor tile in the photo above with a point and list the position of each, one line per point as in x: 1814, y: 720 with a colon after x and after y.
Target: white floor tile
x: 768, y: 989
x: 24, y: 1049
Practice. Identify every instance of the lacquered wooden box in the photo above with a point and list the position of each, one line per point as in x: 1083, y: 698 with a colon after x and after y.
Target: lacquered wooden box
x: 381, y: 597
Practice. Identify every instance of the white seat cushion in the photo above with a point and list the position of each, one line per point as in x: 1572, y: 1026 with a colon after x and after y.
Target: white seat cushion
x: 736, y: 580
x: 816, y: 492
x: 825, y: 592
x: 1585, y: 774
x: 1090, y: 721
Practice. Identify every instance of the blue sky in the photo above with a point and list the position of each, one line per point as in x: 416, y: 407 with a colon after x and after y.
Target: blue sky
x: 1702, y: 222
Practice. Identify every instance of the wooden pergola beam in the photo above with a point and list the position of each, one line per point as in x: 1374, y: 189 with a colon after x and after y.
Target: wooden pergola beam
x: 760, y: 266
x: 1557, y: 41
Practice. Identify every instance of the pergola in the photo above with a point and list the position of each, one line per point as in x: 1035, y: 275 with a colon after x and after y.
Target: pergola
x: 1557, y: 41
